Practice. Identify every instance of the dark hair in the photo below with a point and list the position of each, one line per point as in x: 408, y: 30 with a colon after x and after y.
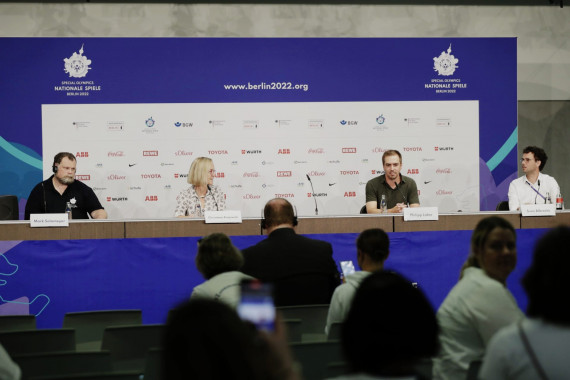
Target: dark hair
x: 389, y: 327
x: 375, y: 243
x: 546, y: 282
x: 391, y: 152
x: 278, y: 211
x: 61, y: 155
x: 205, y: 339
x: 479, y: 237
x: 216, y: 254
x: 539, y: 155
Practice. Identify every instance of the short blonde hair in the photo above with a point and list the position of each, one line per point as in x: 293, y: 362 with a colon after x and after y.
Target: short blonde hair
x: 198, y: 173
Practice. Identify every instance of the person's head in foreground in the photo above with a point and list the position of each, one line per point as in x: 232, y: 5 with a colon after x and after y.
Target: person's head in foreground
x: 493, y: 248
x: 389, y: 328
x: 216, y: 254
x: 546, y: 282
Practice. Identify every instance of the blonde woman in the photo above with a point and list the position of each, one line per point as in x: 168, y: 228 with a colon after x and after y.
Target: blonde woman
x: 202, y: 195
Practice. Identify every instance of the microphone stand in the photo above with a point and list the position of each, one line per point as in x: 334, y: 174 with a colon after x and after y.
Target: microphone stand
x: 313, y: 190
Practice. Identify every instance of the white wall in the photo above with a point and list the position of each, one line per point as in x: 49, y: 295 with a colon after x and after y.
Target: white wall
x: 543, y: 47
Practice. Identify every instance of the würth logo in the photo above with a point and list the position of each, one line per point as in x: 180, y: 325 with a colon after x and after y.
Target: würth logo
x: 150, y: 152
x: 255, y: 151
x: 441, y: 148
x: 286, y: 173
x: 117, y: 199
x: 180, y: 175
x: 348, y: 150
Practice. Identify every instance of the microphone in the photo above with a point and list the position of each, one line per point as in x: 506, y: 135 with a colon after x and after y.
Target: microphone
x: 216, y: 202
x: 403, y: 196
x: 313, y: 190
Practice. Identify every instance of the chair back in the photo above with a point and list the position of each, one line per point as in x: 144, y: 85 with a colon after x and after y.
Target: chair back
x: 503, y: 206
x: 129, y: 345
x: 17, y: 322
x: 313, y: 318
x: 363, y: 210
x: 63, y: 363
x: 89, y: 325
x: 316, y: 357
x: 38, y: 341
x: 9, y: 207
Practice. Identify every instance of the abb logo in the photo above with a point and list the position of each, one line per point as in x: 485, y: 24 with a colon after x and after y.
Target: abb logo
x: 151, y: 153
x: 413, y: 171
x: 286, y: 173
x: 151, y: 198
x: 82, y: 154
x: 350, y: 194
x: 84, y: 177
x: 284, y: 151
x: 348, y: 150
x: 220, y: 175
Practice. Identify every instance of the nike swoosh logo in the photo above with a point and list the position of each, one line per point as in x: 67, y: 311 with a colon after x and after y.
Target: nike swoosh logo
x: 332, y: 184
x: 131, y: 165
x: 426, y: 182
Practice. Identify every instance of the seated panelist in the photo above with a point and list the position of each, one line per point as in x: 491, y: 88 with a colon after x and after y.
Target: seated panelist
x: 53, y: 194
x: 202, y: 195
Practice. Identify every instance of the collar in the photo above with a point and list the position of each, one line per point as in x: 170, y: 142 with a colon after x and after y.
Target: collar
x: 383, y: 178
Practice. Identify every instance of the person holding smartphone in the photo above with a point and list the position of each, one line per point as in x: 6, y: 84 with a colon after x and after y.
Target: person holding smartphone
x: 372, y: 249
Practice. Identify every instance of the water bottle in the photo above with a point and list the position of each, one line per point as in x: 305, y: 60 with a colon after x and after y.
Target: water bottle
x: 68, y: 210
x: 383, y: 204
x: 559, y: 202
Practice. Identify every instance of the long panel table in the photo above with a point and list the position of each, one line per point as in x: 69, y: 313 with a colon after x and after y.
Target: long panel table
x: 117, y: 229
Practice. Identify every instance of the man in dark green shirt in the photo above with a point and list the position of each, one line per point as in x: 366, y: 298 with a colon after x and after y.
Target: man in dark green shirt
x: 400, y: 191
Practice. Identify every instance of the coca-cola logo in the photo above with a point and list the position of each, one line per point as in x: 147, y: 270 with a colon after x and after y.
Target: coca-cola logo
x: 348, y: 150
x: 349, y: 172
x: 118, y: 153
x: 284, y: 173
x: 316, y: 151
x: 314, y: 173
x: 287, y: 195
x: 83, y: 177
x: 251, y: 174
x: 412, y: 149
x: 251, y: 196
x: 116, y: 177
x: 183, y: 153
x: 444, y: 192
x: 150, y: 176
x: 220, y: 151
x: 443, y: 171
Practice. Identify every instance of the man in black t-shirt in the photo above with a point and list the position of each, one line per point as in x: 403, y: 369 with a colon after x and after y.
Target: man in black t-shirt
x: 53, y: 194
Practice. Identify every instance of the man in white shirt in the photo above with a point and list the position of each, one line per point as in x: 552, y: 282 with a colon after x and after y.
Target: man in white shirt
x: 534, y: 187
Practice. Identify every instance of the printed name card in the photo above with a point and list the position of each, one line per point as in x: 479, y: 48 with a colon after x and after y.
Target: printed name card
x: 420, y: 213
x: 226, y: 216
x: 538, y: 210
x: 49, y: 220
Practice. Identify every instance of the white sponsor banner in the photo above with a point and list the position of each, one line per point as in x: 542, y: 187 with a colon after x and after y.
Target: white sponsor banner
x: 136, y: 156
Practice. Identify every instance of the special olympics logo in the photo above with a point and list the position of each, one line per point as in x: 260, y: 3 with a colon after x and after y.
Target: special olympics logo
x: 446, y: 63
x: 149, y: 122
x: 77, y: 65
x: 381, y: 119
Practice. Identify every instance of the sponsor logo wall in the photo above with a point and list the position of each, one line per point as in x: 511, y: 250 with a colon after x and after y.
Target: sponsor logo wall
x: 279, y: 110
x: 139, y: 174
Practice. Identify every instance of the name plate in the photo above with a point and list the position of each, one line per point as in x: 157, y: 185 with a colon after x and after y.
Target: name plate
x: 226, y: 216
x: 49, y: 220
x: 420, y: 213
x: 538, y: 210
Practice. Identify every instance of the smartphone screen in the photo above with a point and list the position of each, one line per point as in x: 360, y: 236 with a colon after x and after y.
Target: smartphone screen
x: 256, y: 304
x: 347, y: 267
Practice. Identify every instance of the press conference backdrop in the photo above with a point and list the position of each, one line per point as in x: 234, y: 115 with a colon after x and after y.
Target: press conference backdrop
x: 136, y: 112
